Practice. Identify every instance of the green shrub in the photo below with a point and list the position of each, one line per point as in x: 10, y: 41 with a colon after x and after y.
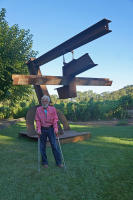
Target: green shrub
x: 5, y: 112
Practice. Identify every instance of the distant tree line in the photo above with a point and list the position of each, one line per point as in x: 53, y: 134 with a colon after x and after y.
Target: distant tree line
x: 82, y: 108
x: 98, y: 107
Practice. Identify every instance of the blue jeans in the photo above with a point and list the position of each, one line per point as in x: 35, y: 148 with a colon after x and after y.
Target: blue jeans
x: 55, y: 148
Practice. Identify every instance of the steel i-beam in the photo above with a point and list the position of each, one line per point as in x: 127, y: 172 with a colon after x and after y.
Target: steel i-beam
x: 95, y: 31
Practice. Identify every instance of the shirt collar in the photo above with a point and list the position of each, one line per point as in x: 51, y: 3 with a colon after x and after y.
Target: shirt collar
x: 44, y: 108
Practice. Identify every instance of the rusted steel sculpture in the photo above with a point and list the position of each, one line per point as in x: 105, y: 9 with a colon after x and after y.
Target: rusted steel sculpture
x: 70, y: 70
x: 57, y: 80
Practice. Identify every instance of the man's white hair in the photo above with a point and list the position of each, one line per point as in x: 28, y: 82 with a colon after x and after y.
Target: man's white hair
x: 45, y: 97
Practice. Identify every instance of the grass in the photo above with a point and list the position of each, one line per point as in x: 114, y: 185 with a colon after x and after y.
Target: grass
x: 100, y: 168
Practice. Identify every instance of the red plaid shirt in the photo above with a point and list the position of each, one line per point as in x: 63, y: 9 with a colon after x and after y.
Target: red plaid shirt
x: 46, y: 121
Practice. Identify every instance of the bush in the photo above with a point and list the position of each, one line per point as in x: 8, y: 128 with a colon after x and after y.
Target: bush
x: 21, y: 113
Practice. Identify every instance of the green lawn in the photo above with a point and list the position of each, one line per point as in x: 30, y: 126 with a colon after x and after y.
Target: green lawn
x: 100, y: 168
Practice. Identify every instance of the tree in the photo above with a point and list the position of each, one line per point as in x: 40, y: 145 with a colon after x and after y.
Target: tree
x: 15, y: 50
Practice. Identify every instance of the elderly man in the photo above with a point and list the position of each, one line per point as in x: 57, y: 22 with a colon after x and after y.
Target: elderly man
x: 46, y: 125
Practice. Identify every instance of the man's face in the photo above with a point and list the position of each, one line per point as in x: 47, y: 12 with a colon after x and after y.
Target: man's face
x: 45, y: 103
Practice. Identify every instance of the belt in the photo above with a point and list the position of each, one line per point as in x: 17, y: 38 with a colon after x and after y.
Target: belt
x: 46, y: 128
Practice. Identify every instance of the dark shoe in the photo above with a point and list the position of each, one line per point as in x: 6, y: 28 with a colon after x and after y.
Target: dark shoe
x: 45, y: 166
x: 60, y: 166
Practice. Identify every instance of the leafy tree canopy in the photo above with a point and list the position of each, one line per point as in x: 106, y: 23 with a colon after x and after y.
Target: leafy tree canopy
x: 15, y: 50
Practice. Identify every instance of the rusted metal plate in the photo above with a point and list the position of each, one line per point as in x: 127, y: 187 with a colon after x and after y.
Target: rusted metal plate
x: 62, y: 120
x: 93, y: 81
x: 67, y: 137
x: 37, y: 80
x: 68, y: 91
x: 95, y: 31
x: 30, y: 117
x: 77, y: 66
x: 57, y: 80
x: 39, y: 89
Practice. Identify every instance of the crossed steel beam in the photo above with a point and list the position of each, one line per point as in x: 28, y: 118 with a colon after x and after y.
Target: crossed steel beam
x: 57, y: 80
x: 97, y: 30
x: 70, y: 70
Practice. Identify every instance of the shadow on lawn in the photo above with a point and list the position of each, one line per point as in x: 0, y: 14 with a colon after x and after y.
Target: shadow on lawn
x: 111, y: 136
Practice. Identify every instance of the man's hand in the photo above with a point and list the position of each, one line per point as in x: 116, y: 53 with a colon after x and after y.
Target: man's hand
x: 39, y: 133
x: 56, y: 132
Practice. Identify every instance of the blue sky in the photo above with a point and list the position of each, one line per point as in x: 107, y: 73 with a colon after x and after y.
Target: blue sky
x: 54, y: 21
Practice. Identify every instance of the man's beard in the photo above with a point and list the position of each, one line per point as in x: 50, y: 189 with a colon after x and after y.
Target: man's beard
x: 45, y: 106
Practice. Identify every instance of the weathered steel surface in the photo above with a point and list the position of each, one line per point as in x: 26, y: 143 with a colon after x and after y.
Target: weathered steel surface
x: 57, y: 80
x: 30, y: 117
x: 93, y: 81
x: 76, y: 66
x: 67, y: 137
x: 95, y: 31
x: 39, y: 89
x: 37, y: 80
x: 63, y: 120
x: 67, y: 91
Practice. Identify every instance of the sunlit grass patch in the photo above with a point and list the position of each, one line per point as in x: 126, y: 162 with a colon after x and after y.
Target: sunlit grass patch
x: 81, y: 128
x: 116, y: 140
x: 6, y: 140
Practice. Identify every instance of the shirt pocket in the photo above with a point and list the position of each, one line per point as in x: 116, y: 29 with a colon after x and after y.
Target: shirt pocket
x: 50, y: 116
